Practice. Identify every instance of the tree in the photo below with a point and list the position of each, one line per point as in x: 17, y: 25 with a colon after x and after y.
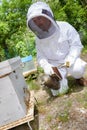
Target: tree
x: 12, y: 24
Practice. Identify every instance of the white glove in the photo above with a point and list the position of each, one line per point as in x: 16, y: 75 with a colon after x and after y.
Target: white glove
x: 48, y: 69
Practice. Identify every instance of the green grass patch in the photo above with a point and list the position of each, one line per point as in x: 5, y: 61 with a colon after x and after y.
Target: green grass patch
x: 33, y: 85
x: 49, y: 118
x: 64, y: 116
x: 82, y: 99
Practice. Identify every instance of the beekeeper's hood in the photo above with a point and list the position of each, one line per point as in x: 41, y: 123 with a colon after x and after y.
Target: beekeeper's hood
x: 41, y: 9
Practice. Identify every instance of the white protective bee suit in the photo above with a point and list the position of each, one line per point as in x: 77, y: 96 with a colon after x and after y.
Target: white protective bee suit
x: 57, y: 46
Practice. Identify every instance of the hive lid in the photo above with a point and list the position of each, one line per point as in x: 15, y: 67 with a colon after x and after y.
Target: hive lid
x: 9, y: 65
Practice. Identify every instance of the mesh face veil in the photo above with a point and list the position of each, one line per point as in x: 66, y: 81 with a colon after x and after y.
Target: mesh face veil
x: 41, y: 9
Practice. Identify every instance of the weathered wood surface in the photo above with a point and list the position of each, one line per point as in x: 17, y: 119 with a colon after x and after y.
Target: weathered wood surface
x: 29, y: 116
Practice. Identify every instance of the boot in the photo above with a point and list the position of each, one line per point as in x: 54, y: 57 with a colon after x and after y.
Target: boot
x: 82, y: 81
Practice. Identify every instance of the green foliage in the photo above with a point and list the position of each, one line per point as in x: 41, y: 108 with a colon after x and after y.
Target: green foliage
x: 40, y: 70
x: 30, y: 40
x: 75, y: 13
x: 13, y: 25
x: 2, y: 54
x: 13, y: 29
x: 33, y: 85
x: 83, y: 34
x: 4, y: 28
x: 64, y: 116
x: 21, y: 49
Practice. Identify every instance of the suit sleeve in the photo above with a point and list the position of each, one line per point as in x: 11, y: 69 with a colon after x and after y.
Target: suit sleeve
x: 75, y: 45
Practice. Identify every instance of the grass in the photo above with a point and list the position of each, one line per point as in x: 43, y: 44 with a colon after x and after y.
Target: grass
x: 64, y: 116
x: 84, y: 50
x: 33, y: 85
x: 68, y: 103
x: 82, y: 99
x: 42, y: 110
x: 49, y: 118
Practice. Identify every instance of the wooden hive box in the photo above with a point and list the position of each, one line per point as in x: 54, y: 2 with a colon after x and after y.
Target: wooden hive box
x: 12, y: 95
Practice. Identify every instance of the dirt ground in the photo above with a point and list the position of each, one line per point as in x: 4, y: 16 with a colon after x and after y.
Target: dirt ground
x: 67, y: 112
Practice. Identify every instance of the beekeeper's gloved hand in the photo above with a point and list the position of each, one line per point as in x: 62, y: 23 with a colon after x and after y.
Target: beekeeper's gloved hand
x: 48, y: 69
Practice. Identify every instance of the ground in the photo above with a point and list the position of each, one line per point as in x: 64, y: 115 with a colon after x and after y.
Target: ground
x: 67, y: 112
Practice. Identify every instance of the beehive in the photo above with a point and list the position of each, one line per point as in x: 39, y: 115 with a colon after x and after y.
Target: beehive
x: 28, y: 66
x: 12, y: 96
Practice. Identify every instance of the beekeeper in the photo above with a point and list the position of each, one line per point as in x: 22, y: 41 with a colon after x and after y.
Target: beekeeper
x: 58, y: 45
